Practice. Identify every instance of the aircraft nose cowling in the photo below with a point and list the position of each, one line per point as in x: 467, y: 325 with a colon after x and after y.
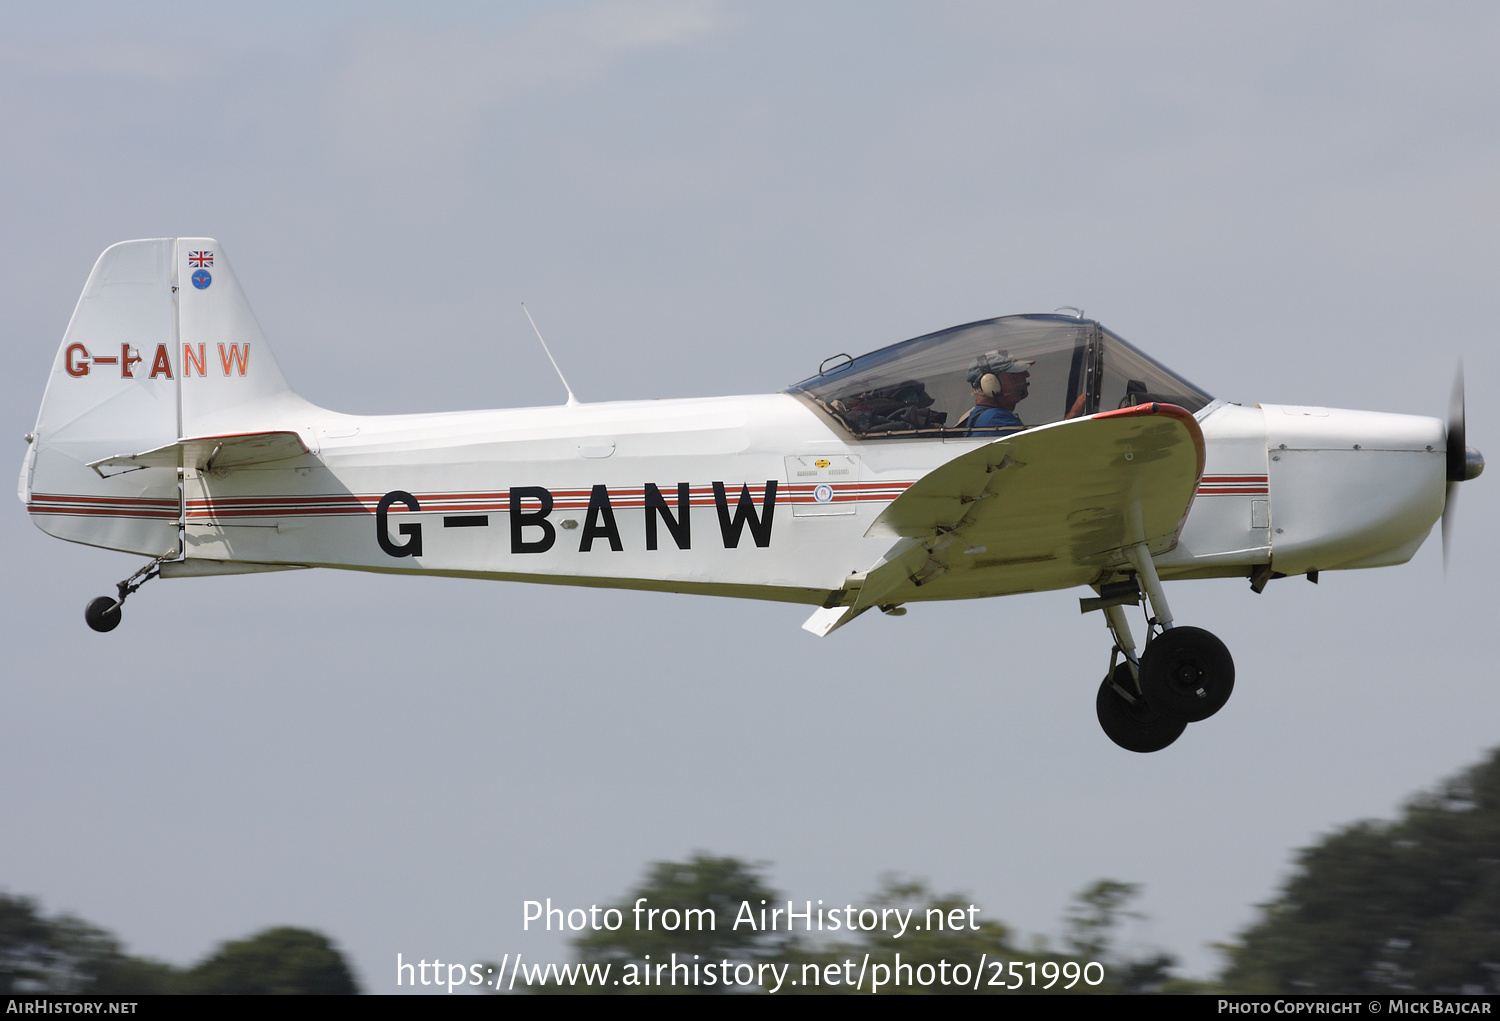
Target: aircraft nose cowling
x: 1351, y: 488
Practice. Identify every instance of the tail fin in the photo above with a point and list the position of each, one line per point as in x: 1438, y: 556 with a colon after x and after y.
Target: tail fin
x: 161, y: 347
x: 229, y: 380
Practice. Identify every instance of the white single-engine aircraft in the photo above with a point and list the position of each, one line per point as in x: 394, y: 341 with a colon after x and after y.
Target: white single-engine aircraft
x: 1012, y: 455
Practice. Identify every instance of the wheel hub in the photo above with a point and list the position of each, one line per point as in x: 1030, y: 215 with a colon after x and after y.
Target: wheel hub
x: 1187, y: 677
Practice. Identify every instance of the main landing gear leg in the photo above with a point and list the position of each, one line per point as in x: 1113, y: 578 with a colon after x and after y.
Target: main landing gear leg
x: 103, y: 614
x: 1119, y: 627
x: 1185, y: 672
x: 1145, y: 569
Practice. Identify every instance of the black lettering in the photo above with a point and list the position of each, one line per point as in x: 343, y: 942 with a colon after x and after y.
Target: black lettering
x: 599, y: 507
x: 744, y: 513
x: 466, y: 520
x: 537, y: 519
x: 413, y: 545
x: 656, y: 506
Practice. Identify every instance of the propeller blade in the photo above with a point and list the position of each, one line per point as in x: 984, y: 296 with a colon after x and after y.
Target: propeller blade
x: 1463, y: 463
x: 1448, y: 514
x: 1456, y: 431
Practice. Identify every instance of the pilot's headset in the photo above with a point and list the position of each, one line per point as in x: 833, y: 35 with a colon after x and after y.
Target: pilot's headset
x: 984, y: 372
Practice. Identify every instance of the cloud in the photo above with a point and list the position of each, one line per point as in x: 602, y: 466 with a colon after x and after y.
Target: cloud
x: 405, y: 90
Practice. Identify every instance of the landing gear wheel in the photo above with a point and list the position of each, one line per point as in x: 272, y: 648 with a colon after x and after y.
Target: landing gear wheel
x: 1186, y: 674
x: 1136, y: 727
x: 102, y: 614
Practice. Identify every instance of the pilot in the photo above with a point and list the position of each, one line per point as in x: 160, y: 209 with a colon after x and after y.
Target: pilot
x: 1000, y: 382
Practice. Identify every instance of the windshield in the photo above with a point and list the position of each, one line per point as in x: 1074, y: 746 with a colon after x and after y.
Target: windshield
x: 990, y: 377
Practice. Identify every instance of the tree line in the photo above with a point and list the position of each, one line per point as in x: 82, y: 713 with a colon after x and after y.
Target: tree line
x: 1410, y: 905
x: 66, y: 955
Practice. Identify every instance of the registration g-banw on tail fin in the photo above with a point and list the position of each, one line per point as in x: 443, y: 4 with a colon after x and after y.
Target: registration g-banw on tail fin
x: 162, y: 349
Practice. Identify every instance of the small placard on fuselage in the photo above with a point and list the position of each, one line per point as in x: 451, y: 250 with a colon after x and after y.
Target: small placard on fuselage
x: 823, y: 485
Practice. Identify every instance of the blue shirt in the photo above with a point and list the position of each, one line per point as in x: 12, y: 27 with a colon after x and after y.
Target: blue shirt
x: 986, y: 418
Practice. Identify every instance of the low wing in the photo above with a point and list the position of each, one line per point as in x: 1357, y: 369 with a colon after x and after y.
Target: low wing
x: 209, y: 452
x: 1048, y: 508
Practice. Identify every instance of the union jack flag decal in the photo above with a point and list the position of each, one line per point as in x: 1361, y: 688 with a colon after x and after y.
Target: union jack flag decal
x: 200, y: 259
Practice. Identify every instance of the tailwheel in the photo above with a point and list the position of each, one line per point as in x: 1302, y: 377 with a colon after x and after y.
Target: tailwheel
x: 102, y: 614
x: 1134, y: 726
x: 1186, y: 674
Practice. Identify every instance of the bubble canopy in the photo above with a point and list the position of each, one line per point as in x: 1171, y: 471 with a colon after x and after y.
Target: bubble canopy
x: 1063, y: 367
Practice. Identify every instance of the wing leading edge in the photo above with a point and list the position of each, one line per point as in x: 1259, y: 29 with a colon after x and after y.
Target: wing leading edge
x: 1049, y: 508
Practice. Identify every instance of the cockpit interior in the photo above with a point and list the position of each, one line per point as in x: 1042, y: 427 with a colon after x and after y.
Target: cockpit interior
x: 1036, y: 369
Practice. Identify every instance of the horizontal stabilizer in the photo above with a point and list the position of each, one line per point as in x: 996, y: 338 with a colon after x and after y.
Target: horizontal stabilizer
x: 206, y: 453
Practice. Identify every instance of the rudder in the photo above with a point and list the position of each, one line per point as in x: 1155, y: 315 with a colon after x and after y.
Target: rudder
x: 229, y: 380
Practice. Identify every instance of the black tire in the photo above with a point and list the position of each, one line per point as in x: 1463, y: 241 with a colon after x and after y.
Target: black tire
x: 102, y: 614
x: 1187, y: 674
x: 1136, y: 727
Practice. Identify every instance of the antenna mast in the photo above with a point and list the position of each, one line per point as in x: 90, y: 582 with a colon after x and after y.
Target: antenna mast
x: 572, y: 401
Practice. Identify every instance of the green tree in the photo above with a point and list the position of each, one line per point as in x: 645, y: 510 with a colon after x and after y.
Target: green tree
x: 27, y: 954
x: 1406, y: 906
x: 281, y: 960
x: 67, y: 955
x: 64, y: 954
x: 697, y: 902
x: 932, y: 944
x: 942, y: 932
x: 1089, y: 925
x: 1089, y: 931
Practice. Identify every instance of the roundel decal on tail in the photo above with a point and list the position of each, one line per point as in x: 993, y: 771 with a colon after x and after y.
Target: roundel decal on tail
x: 201, y: 279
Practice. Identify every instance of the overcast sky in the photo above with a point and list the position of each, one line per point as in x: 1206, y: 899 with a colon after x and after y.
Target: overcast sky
x: 1290, y: 203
